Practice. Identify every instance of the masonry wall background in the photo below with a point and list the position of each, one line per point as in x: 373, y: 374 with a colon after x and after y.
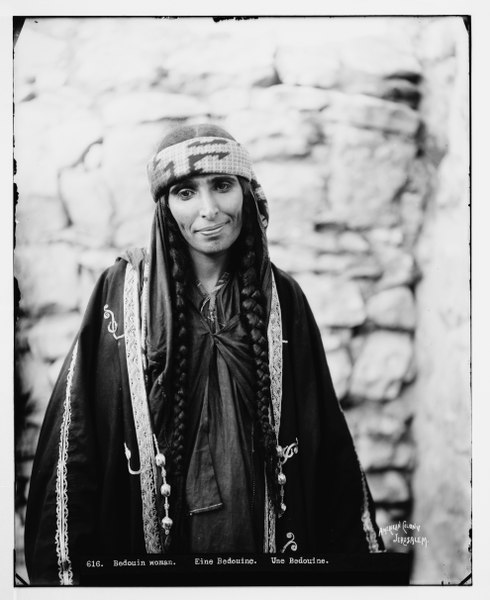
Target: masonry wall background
x: 358, y: 128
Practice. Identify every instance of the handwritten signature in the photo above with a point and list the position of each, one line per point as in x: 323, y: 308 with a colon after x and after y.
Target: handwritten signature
x: 395, y: 529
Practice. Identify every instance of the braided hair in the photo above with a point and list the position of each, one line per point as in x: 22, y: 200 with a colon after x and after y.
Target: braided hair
x: 180, y: 271
x: 253, y: 314
x: 247, y: 253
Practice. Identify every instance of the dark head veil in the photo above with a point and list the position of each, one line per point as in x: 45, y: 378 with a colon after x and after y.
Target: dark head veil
x: 188, y: 151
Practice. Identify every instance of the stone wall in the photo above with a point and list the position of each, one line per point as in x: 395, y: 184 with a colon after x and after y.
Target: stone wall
x: 442, y: 426
x: 331, y: 112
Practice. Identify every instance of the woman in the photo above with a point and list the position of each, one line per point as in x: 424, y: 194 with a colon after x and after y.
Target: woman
x: 195, y: 412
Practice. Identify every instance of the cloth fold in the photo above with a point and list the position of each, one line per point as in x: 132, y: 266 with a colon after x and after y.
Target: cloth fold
x: 224, y: 485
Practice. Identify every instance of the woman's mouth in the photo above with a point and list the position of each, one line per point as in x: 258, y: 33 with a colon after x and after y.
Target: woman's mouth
x: 212, y: 229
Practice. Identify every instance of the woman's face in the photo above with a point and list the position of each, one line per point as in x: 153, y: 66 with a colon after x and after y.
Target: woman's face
x: 208, y: 211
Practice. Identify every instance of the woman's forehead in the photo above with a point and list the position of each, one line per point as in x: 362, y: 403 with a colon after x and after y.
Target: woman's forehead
x: 207, y: 178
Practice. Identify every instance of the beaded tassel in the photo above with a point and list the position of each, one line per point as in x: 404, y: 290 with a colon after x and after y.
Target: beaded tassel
x: 165, y: 488
x: 284, y: 454
x: 281, y: 479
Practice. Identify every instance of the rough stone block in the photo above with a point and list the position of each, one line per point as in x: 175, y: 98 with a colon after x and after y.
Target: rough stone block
x: 436, y: 108
x: 38, y: 218
x: 413, y: 200
x: 88, y: 203
x: 334, y: 264
x: 374, y: 454
x: 71, y: 136
x: 88, y: 279
x: 308, y: 65
x: 380, y: 237
x: 50, y: 338
x: 368, y: 170
x: 333, y: 339
x: 378, y: 453
x: 353, y: 242
x: 54, y: 370
x: 294, y: 259
x: 333, y: 240
x: 35, y: 385
x: 404, y: 457
x: 351, y: 266
x: 381, y: 366
x: 105, y: 55
x: 98, y: 260
x: 50, y: 133
x: 272, y: 133
x: 340, y: 366
x: 27, y: 445
x: 35, y: 54
x: 393, y: 309
x: 360, y: 110
x: 437, y: 39
x: 134, y: 231
x: 399, y: 268
x: 401, y: 410
x: 335, y: 302
x: 226, y: 60
x: 383, y: 56
x: 388, y: 487
x: 23, y: 470
x: 299, y: 98
x: 378, y: 423
x: 92, y: 159
x: 393, y: 89
x: 147, y: 106
x: 226, y: 101
x: 48, y: 278
x: 294, y: 201
x: 126, y: 152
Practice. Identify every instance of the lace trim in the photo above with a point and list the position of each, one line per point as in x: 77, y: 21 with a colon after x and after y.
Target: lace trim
x: 140, y: 413
x: 367, y: 524
x: 269, y: 522
x: 65, y: 571
x: 274, y: 337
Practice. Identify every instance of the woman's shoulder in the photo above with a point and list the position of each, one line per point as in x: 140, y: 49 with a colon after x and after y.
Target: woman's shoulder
x: 135, y: 257
x: 111, y: 282
x: 289, y: 291
x: 286, y: 283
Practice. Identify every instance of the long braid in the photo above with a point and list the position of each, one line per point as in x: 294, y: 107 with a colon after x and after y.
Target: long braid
x: 179, y: 271
x: 253, y: 315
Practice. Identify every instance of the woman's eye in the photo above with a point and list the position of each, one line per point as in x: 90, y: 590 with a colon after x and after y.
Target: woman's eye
x: 223, y: 186
x: 185, y: 194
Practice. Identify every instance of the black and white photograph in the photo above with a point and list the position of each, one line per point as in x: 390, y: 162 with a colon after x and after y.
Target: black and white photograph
x: 242, y: 344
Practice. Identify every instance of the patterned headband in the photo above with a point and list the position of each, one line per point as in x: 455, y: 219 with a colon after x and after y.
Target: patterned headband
x: 201, y: 155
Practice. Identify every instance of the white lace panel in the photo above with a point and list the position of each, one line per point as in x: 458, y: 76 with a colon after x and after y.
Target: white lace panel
x: 274, y: 337
x: 141, y: 412
x: 367, y: 523
x: 65, y: 571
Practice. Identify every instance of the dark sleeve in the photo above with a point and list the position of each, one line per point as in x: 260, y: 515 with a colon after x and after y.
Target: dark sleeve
x: 340, y: 511
x: 63, y: 494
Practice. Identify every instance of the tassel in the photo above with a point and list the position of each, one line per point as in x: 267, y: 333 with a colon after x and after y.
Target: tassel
x: 165, y: 490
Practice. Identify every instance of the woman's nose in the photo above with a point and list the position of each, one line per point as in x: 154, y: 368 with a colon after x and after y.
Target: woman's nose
x: 208, y: 206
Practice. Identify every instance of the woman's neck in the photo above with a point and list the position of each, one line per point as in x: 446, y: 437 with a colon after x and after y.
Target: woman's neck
x: 209, y: 267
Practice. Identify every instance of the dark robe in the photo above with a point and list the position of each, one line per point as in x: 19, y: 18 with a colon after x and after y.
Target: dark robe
x: 94, y: 490
x: 224, y: 484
